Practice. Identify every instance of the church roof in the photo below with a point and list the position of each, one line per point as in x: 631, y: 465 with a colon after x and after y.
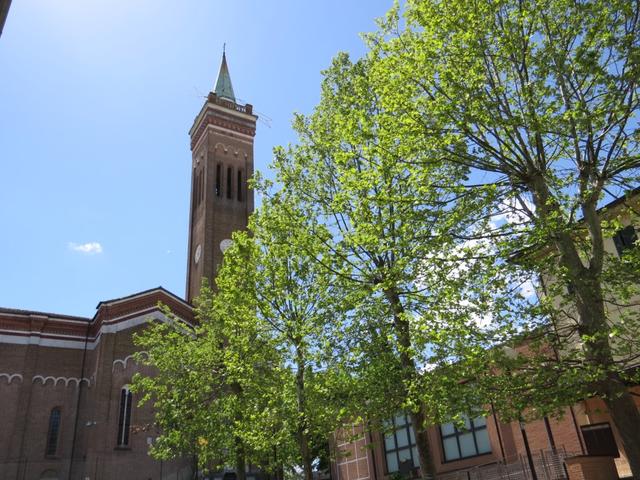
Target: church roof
x: 17, y: 311
x: 224, y: 88
x: 141, y: 294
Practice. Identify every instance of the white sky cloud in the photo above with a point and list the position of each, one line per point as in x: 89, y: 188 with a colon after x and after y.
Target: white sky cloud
x: 528, y: 289
x: 89, y: 248
x: 514, y: 210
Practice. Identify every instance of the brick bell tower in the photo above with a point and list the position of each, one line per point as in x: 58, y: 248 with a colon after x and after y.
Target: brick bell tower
x: 222, y: 161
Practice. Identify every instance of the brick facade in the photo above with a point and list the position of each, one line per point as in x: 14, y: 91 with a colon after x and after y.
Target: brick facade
x: 79, y: 366
x: 360, y: 454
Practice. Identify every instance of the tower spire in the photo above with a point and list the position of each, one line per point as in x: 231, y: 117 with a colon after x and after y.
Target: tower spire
x: 224, y: 88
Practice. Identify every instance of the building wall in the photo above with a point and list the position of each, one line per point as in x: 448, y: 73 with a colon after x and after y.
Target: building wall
x: 40, y: 370
x: 356, y: 450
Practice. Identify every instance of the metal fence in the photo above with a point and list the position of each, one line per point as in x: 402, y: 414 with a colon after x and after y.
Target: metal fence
x: 548, y: 465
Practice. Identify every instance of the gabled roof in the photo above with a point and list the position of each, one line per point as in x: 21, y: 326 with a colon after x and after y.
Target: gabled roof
x: 52, y: 330
x: 224, y: 89
x: 141, y: 294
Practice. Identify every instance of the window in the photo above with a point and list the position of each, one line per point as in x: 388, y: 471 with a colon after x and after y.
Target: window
x: 599, y: 440
x: 239, y: 186
x: 124, y: 420
x: 625, y: 239
x: 229, y: 181
x: 218, y: 180
x: 470, y: 441
x: 54, y: 430
x: 201, y: 189
x: 194, y: 189
x: 400, y: 445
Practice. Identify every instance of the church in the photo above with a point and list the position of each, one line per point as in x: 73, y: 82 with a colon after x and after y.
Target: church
x: 67, y: 411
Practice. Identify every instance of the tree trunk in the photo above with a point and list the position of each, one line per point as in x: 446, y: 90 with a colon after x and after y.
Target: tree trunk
x: 303, y: 442
x: 418, y: 418
x: 241, y: 470
x: 593, y: 325
x: 241, y: 473
x: 427, y: 466
x: 626, y: 418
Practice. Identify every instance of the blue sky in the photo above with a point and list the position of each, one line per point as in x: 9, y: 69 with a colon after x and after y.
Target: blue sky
x: 96, y: 99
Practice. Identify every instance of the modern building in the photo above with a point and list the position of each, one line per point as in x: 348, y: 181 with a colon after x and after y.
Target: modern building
x: 66, y: 409
x: 583, y: 443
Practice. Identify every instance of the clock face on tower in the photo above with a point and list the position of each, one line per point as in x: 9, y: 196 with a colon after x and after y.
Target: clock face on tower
x: 196, y: 256
x: 224, y: 244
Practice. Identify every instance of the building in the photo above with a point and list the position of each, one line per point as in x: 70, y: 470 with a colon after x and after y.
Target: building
x: 583, y: 442
x: 4, y: 11
x: 67, y: 411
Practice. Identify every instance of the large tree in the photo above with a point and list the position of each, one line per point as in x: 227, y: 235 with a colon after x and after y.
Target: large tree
x: 289, y: 294
x: 253, y: 381
x: 208, y: 382
x: 539, y: 99
x: 386, y: 221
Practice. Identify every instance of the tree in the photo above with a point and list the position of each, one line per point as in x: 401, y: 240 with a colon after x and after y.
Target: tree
x: 289, y: 295
x: 253, y: 381
x: 539, y: 99
x: 201, y: 404
x: 384, y: 218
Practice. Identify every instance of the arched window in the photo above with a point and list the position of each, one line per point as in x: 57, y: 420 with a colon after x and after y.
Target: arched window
x: 239, y: 188
x: 49, y: 475
x: 54, y: 430
x: 229, y: 182
x: 124, y: 419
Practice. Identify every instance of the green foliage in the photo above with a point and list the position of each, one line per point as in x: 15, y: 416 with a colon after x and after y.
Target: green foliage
x: 254, y: 379
x: 459, y: 164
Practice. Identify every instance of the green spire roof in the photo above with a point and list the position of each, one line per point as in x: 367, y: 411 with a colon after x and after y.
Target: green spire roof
x: 224, y: 88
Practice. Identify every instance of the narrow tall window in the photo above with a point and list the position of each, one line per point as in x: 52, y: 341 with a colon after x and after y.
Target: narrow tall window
x: 124, y: 420
x: 218, y: 181
x: 239, y: 187
x: 196, y: 194
x: 54, y: 430
x: 201, y: 185
x: 229, y: 182
x: 194, y: 189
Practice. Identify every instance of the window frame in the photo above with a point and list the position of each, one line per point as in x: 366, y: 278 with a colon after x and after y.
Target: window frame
x: 124, y: 417
x: 218, y: 184
x: 229, y: 183
x: 51, y: 446
x: 602, y: 426
x: 239, y: 186
x: 620, y: 239
x: 408, y: 427
x: 457, y: 433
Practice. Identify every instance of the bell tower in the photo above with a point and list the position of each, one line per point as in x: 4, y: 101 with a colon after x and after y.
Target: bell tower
x: 222, y: 161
